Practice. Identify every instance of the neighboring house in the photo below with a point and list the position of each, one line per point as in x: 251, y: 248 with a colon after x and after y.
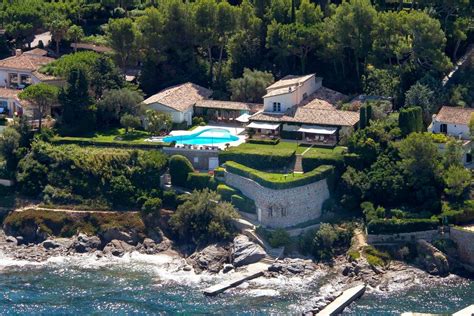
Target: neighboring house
x: 178, y: 101
x: 226, y: 110
x: 22, y: 70
x: 301, y: 108
x: 454, y: 121
x: 10, y: 103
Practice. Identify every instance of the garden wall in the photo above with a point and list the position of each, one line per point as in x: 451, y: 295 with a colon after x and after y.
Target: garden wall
x: 200, y: 159
x: 285, y: 207
x: 402, y: 237
x: 464, y: 239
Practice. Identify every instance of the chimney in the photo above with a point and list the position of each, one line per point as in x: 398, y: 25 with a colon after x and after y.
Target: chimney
x: 17, y: 52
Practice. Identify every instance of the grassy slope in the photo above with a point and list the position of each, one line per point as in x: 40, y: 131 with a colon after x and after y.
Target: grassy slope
x: 285, y: 148
x: 134, y: 137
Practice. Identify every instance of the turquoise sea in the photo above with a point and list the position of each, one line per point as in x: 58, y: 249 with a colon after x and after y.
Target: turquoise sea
x: 84, y: 286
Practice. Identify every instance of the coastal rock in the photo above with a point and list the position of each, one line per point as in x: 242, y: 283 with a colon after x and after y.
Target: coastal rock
x: 117, y: 248
x: 431, y: 259
x: 130, y: 237
x: 211, y: 258
x: 245, y: 252
x: 83, y: 243
x: 12, y: 240
x: 50, y: 244
x: 227, y: 268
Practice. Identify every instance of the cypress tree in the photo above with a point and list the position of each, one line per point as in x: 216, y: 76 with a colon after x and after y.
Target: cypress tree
x: 363, y: 117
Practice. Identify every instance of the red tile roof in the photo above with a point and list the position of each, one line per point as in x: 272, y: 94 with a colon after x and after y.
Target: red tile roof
x: 180, y: 97
x: 25, y: 61
x: 454, y: 115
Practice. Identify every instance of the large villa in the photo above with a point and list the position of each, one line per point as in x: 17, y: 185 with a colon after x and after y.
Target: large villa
x: 295, y: 107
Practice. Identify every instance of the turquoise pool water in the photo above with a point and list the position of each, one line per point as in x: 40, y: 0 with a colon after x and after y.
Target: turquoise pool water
x: 208, y: 136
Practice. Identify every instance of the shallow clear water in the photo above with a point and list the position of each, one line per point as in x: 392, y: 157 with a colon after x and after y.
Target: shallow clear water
x: 146, y: 288
x: 205, y: 137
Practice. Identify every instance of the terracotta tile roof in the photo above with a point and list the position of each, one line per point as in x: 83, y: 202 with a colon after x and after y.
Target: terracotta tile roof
x: 289, y: 80
x: 93, y: 47
x: 44, y: 77
x: 25, y: 61
x: 454, y: 115
x: 325, y: 117
x: 180, y: 97
x: 6, y: 93
x: 323, y: 98
x: 319, y: 108
x: 37, y: 51
x: 229, y: 105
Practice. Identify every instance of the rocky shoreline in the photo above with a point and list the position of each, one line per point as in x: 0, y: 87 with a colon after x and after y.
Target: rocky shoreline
x: 226, y: 257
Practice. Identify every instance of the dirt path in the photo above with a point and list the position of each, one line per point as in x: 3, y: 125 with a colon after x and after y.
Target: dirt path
x: 39, y: 208
x: 359, y: 241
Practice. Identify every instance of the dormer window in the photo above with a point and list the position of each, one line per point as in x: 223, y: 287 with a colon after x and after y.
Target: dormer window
x: 276, y: 107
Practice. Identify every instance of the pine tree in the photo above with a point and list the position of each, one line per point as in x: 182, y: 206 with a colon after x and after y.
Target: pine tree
x: 78, y: 115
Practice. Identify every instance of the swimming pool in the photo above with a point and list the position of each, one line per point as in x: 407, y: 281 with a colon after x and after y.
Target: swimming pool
x: 208, y: 136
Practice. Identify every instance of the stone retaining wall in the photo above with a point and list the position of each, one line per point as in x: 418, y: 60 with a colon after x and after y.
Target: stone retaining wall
x: 465, y: 242
x: 286, y: 207
x: 402, y: 237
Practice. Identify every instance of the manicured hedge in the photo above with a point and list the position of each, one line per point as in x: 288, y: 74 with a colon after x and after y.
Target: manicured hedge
x: 243, y: 203
x: 395, y: 226
x: 261, y: 161
x: 219, y: 172
x: 312, y: 162
x: 458, y: 214
x: 199, y: 181
x: 226, y: 192
x: 102, y: 143
x: 179, y: 169
x: 264, y: 141
x: 353, y: 160
x: 277, y: 182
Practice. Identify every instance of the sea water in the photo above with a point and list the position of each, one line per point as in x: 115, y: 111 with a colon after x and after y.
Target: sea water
x: 150, y: 285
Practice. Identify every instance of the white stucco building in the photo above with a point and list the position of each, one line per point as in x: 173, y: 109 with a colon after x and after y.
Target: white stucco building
x: 178, y: 101
x: 22, y: 69
x: 300, y: 108
x: 453, y: 121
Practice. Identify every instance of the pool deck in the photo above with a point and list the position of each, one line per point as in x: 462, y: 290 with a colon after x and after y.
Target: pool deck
x: 235, y: 131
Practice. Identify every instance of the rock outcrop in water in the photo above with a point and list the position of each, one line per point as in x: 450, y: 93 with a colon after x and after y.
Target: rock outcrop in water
x: 246, y: 252
x: 212, y: 258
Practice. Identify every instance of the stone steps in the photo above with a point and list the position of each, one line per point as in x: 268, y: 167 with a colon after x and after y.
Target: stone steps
x: 298, y: 167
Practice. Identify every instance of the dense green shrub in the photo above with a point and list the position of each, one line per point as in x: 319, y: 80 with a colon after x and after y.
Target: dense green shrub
x: 322, y: 243
x: 376, y: 257
x: 458, y: 213
x: 410, y: 120
x: 63, y: 224
x: 353, y: 160
x: 226, y: 192
x: 276, y: 181
x: 311, y: 162
x: 118, y: 175
x: 243, y: 203
x: 152, y: 207
x: 104, y: 143
x: 203, y: 218
x: 170, y: 199
x: 263, y: 141
x: 180, y: 167
x: 199, y: 181
x: 279, y: 238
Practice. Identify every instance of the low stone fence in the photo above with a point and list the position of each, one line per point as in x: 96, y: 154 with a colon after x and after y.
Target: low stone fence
x: 286, y: 207
x: 464, y: 239
x: 402, y: 237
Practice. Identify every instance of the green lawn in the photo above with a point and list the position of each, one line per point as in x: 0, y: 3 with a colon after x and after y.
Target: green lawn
x: 286, y: 147
x: 113, y: 135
